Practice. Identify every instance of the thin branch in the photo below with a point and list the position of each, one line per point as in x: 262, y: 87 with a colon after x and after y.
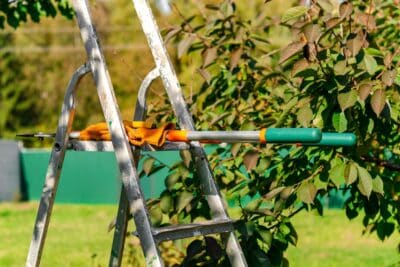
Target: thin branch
x: 383, y: 163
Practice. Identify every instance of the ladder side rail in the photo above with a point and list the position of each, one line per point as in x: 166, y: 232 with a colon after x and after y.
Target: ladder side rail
x: 121, y: 224
x: 172, y: 86
x: 54, y: 170
x: 119, y: 138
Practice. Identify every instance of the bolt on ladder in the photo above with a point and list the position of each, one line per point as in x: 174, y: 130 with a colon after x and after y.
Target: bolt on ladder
x: 132, y: 200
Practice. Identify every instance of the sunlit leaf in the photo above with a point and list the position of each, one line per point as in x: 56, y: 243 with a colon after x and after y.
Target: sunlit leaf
x: 388, y: 77
x: 209, y: 55
x: 274, y: 192
x: 299, y: 66
x: 366, y: 20
x: 377, y: 185
x: 350, y: 173
x: 364, y: 90
x: 250, y: 160
x: 186, y: 157
x: 183, y: 200
x: 370, y: 64
x: 148, y: 165
x: 364, y: 181
x: 155, y: 215
x: 341, y: 68
x: 185, y: 44
x: 293, y: 13
x: 291, y: 50
x: 339, y: 122
x: 205, y: 74
x: 305, y: 115
x: 332, y: 22
x: 307, y: 192
x: 378, y: 101
x: 312, y: 32
x: 347, y: 100
x: 336, y: 174
x: 326, y: 5
x: 235, y: 148
x: 235, y: 58
x: 345, y: 9
x: 355, y: 44
x: 166, y: 203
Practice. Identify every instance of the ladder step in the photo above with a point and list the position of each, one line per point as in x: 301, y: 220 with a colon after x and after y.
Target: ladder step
x: 107, y: 146
x: 174, y: 232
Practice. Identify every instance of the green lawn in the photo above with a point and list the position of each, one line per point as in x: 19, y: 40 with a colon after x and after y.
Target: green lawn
x: 78, y: 237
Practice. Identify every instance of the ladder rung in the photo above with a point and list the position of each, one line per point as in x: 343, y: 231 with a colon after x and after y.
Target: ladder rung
x: 174, y: 232
x: 107, y: 146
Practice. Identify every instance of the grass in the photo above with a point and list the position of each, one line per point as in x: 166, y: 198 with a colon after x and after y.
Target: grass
x: 78, y: 237
x: 333, y: 240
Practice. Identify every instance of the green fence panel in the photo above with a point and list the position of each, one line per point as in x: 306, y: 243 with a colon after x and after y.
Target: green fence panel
x: 87, y: 177
x: 93, y: 177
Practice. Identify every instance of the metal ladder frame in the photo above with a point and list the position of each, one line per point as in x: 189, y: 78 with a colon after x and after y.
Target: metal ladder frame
x: 132, y: 200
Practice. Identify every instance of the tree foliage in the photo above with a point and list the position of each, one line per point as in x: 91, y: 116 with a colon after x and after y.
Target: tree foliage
x: 338, y: 73
x: 13, y: 12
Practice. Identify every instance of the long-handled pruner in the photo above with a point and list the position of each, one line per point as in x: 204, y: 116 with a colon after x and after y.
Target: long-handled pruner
x: 301, y: 136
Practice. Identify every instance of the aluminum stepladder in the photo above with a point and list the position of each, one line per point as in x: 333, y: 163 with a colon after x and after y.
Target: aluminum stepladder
x: 132, y: 200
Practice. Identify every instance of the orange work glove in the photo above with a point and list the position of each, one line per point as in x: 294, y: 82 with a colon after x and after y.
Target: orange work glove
x: 138, y: 132
x: 156, y: 137
x: 98, y: 131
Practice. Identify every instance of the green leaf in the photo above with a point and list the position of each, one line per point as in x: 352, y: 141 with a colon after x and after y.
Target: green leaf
x: 183, y: 200
x: 336, y: 174
x: 166, y: 203
x: 341, y: 68
x: 378, y: 101
x: 350, y: 173
x: 384, y: 229
x: 265, y: 235
x: 305, y: 115
x: 364, y: 181
x: 148, y: 165
x: 186, y: 157
x: 377, y: 185
x: 156, y: 215
x: 339, y: 122
x: 293, y: 13
x: 347, y: 100
x: 307, y: 192
x: 370, y: 64
x: 171, y: 180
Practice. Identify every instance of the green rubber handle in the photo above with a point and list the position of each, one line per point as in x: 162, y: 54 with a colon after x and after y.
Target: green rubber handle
x: 337, y: 139
x: 293, y: 135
